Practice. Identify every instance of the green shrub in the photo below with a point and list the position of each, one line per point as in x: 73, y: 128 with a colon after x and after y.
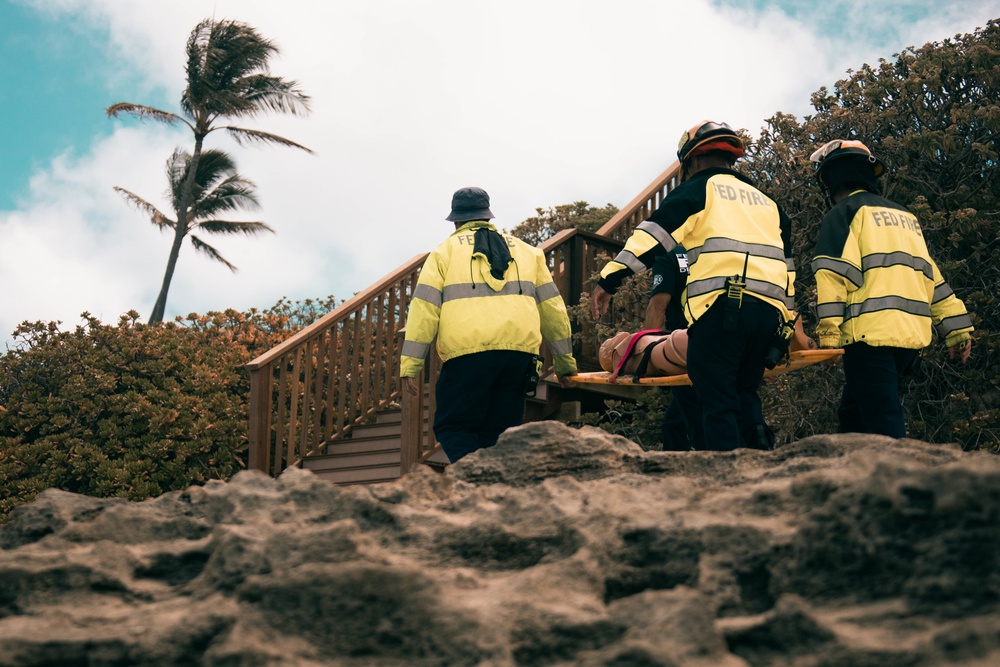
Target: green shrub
x: 132, y: 410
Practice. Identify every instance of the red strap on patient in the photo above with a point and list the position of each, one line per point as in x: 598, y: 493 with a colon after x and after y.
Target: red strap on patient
x: 631, y: 346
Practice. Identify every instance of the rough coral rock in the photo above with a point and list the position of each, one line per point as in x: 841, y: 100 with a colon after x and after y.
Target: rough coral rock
x: 558, y: 546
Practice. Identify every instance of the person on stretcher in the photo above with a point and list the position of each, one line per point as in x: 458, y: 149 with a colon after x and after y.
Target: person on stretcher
x: 655, y: 353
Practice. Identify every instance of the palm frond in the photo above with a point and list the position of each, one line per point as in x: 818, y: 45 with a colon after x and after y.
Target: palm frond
x: 155, y: 216
x: 218, y: 188
x: 143, y: 112
x: 211, y: 252
x: 214, y: 160
x: 263, y: 92
x: 233, y: 227
x: 244, y: 136
x: 235, y: 193
x: 220, y: 54
x: 215, y: 166
x: 238, y: 102
x: 176, y: 170
x: 200, y: 81
x: 236, y: 48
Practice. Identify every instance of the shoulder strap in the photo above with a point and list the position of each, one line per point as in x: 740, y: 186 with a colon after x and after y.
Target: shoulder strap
x: 643, y: 363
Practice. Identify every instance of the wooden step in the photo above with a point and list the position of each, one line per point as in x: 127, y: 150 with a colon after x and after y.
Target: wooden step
x: 375, y: 430
x: 360, y: 476
x: 367, y: 459
x: 369, y: 455
x: 361, y: 446
x: 437, y: 461
x: 379, y: 430
x: 393, y: 416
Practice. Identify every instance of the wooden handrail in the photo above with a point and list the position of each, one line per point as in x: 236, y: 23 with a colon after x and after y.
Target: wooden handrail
x: 349, y: 306
x: 312, y: 389
x: 640, y: 208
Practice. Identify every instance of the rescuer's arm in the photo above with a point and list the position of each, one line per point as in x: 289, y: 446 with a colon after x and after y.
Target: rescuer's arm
x: 554, y: 321
x: 422, y: 320
x: 950, y: 318
x: 656, y: 310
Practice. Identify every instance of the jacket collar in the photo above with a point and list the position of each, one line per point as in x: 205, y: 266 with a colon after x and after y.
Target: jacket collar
x: 473, y: 225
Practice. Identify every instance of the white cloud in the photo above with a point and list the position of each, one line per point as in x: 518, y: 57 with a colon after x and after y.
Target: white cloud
x: 72, y: 248
x: 541, y: 103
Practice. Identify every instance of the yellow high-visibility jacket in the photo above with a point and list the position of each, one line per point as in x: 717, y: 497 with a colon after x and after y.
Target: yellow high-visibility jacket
x: 729, y: 227
x: 458, y: 301
x: 876, y: 282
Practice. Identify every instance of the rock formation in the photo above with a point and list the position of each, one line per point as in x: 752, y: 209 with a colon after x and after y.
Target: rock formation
x: 556, y: 547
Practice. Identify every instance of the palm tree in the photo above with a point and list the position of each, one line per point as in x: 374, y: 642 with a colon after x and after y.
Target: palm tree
x: 217, y: 189
x: 227, y: 77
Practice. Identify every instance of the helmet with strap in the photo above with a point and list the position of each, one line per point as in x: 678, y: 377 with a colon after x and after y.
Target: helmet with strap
x: 843, y: 163
x: 707, y: 136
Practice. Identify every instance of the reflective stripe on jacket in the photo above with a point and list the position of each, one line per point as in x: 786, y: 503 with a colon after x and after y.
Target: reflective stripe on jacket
x: 458, y: 301
x: 876, y: 282
x: 726, y: 224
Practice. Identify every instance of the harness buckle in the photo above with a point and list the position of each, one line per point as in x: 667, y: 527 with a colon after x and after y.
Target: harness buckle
x: 734, y: 300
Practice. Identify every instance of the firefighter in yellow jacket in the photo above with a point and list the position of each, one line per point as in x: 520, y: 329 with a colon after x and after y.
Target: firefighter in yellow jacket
x: 740, y: 287
x: 878, y: 290
x: 489, y: 300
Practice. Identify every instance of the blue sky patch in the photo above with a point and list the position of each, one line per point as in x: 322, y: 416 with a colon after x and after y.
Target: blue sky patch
x: 846, y: 21
x: 54, y: 93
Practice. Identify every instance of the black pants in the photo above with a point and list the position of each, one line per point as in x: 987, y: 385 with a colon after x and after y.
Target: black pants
x: 726, y: 368
x: 681, y: 429
x: 479, y: 396
x: 870, y: 402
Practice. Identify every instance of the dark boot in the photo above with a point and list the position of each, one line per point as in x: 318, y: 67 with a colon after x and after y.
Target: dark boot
x: 759, y: 436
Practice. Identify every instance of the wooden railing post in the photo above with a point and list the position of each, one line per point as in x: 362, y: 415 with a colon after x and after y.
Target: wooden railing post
x: 260, y: 418
x: 410, y: 419
x: 577, y: 268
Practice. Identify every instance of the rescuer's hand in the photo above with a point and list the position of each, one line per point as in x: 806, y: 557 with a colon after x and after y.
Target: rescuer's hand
x: 411, y: 386
x: 565, y: 379
x: 963, y: 350
x: 599, y: 301
x: 800, y: 341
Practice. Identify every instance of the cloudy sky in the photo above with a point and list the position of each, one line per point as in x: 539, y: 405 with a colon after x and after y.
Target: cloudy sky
x: 540, y: 102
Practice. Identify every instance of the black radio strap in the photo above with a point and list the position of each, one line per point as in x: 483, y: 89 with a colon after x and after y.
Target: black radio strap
x: 735, y: 285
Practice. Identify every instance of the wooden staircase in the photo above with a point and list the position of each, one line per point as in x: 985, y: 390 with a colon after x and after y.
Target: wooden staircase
x: 329, y: 398
x: 370, y: 455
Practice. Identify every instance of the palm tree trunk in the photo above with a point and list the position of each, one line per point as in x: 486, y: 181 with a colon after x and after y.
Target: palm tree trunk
x: 161, y: 300
x: 180, y: 231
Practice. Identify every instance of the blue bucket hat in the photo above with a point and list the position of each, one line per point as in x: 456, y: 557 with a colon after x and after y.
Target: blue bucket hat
x: 470, y: 204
